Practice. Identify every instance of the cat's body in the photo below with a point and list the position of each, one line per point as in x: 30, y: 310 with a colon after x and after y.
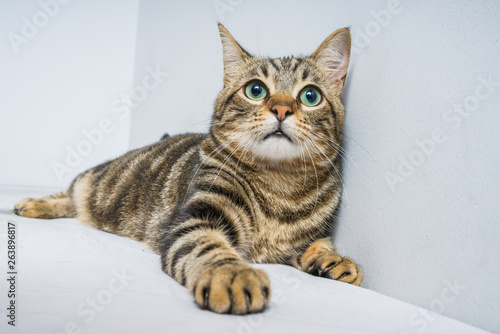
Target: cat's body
x: 263, y: 185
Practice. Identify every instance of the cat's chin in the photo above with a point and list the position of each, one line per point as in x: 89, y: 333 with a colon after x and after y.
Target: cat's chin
x: 276, y: 148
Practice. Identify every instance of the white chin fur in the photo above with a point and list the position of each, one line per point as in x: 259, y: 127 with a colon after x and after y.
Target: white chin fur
x: 275, y: 149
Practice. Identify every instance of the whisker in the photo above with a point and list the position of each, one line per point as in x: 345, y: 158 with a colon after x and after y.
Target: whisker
x: 342, y: 152
x: 344, y: 191
x: 302, y: 155
x: 243, y: 154
x: 317, y: 181
x: 364, y: 149
x: 205, y: 121
x: 224, y: 162
x: 194, y: 124
x: 215, y: 151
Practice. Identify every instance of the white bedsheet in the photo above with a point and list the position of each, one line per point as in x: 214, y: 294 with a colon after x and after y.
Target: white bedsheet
x: 75, y: 279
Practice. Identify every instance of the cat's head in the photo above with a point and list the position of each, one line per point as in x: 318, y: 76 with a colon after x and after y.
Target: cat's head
x: 282, y: 110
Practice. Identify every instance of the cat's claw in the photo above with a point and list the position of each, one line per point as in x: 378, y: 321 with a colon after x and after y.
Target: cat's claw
x: 335, y: 267
x: 29, y: 207
x: 232, y: 288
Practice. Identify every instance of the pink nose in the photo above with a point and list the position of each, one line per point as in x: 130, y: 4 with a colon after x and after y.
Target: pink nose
x: 281, y: 111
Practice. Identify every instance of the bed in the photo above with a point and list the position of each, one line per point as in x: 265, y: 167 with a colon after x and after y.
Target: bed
x: 71, y: 278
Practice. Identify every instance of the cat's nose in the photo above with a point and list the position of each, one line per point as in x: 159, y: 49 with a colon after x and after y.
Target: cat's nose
x: 281, y: 111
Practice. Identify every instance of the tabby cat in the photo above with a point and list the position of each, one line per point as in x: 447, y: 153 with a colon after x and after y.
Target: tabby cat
x: 262, y: 186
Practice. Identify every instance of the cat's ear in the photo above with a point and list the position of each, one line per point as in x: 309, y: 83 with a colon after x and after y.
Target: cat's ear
x: 334, y: 53
x: 233, y: 54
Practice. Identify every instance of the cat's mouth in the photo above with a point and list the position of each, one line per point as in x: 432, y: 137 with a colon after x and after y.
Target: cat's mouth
x: 278, y: 134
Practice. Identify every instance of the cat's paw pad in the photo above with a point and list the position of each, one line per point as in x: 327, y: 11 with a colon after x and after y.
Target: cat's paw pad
x: 233, y: 288
x: 31, y: 207
x: 336, y: 267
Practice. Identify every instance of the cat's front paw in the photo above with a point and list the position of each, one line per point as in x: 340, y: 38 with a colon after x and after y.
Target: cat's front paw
x: 332, y: 265
x: 31, y: 208
x: 233, y: 288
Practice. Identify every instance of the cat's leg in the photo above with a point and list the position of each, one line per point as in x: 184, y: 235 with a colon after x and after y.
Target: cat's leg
x: 58, y: 205
x: 205, y: 260
x: 320, y: 259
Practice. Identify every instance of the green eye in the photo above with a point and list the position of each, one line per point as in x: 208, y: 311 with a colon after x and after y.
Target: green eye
x: 310, y: 96
x: 256, y: 90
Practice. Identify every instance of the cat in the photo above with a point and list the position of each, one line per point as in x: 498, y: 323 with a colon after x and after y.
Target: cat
x: 262, y: 186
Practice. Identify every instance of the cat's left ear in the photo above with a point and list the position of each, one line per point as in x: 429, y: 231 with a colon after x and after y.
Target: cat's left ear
x: 334, y: 53
x: 233, y: 55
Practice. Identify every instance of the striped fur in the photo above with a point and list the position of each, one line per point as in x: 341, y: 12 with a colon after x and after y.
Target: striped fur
x: 211, y: 203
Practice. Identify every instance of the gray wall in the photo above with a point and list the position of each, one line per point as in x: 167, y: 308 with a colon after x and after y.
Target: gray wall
x: 63, y: 66
x: 421, y: 202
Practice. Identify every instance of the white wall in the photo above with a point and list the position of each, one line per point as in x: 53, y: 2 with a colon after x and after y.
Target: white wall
x: 179, y: 38
x: 59, y: 81
x: 442, y: 223
x: 418, y: 95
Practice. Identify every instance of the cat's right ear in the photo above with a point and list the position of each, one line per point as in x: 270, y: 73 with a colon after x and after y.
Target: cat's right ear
x: 333, y: 55
x: 233, y: 55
